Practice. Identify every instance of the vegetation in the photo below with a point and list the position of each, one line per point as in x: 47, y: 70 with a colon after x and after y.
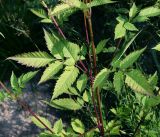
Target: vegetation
x: 106, y: 79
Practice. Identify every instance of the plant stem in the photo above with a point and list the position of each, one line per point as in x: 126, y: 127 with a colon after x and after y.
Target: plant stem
x: 53, y: 20
x: 95, y: 69
x: 58, y: 28
x: 25, y: 106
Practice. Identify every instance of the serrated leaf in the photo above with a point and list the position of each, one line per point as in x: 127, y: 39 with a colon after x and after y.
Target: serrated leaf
x: 33, y: 59
x: 157, y: 47
x: 24, y: 78
x: 73, y: 91
x: 137, y: 82
x: 133, y: 11
x: 39, y: 12
x: 95, y: 3
x: 101, y: 78
x: 39, y: 124
x: 78, y: 126
x: 118, y: 81
x: 101, y: 46
x: 76, y: 4
x: 61, y: 48
x: 51, y: 70
x: 53, y: 44
x: 65, y: 81
x: 65, y: 103
x: 71, y: 50
x: 150, y: 12
x: 14, y: 82
x: 153, y: 80
x: 58, y: 126
x: 131, y: 58
x: 81, y: 82
x: 130, y: 26
x: 120, y: 31
x: 60, y: 8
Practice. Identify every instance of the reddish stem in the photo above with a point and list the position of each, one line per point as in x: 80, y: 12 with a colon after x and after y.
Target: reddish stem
x: 25, y: 106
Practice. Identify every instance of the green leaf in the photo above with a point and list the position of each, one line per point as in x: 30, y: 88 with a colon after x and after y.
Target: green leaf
x: 81, y: 82
x: 153, y: 80
x: 109, y: 50
x: 78, y: 126
x: 157, y: 47
x: 131, y: 58
x: 137, y: 82
x: 65, y: 81
x: 150, y: 12
x: 39, y: 124
x: 14, y: 82
x: 140, y: 19
x: 124, y: 49
x: 33, y: 59
x: 61, y: 48
x: 101, y: 46
x: 86, y: 96
x: 24, y: 78
x: 95, y: 3
x: 130, y: 26
x: 39, y: 12
x: 133, y: 11
x: 50, y: 71
x: 72, y: 91
x: 120, y: 31
x: 71, y: 50
x: 65, y: 103
x: 58, y: 9
x: 46, y: 20
x: 118, y: 81
x: 151, y: 101
x: 101, y: 78
x: 54, y: 44
x: 76, y: 4
x: 58, y: 126
x: 2, y: 35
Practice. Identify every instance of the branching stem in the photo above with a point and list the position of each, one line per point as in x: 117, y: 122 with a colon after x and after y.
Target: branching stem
x: 25, y: 106
x: 89, y: 16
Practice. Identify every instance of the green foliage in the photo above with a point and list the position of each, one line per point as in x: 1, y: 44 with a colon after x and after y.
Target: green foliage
x: 65, y: 81
x: 81, y: 82
x: 136, y: 81
x: 96, y: 3
x: 133, y: 11
x: 150, y: 12
x: 66, y: 103
x: 124, y: 113
x: 101, y: 46
x: 78, y: 126
x: 39, y: 124
x: 33, y: 59
x: 120, y: 31
x: 58, y: 126
x: 157, y: 47
x: 101, y: 78
x: 118, y: 81
x: 24, y: 78
x: 51, y: 70
x: 130, y: 59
